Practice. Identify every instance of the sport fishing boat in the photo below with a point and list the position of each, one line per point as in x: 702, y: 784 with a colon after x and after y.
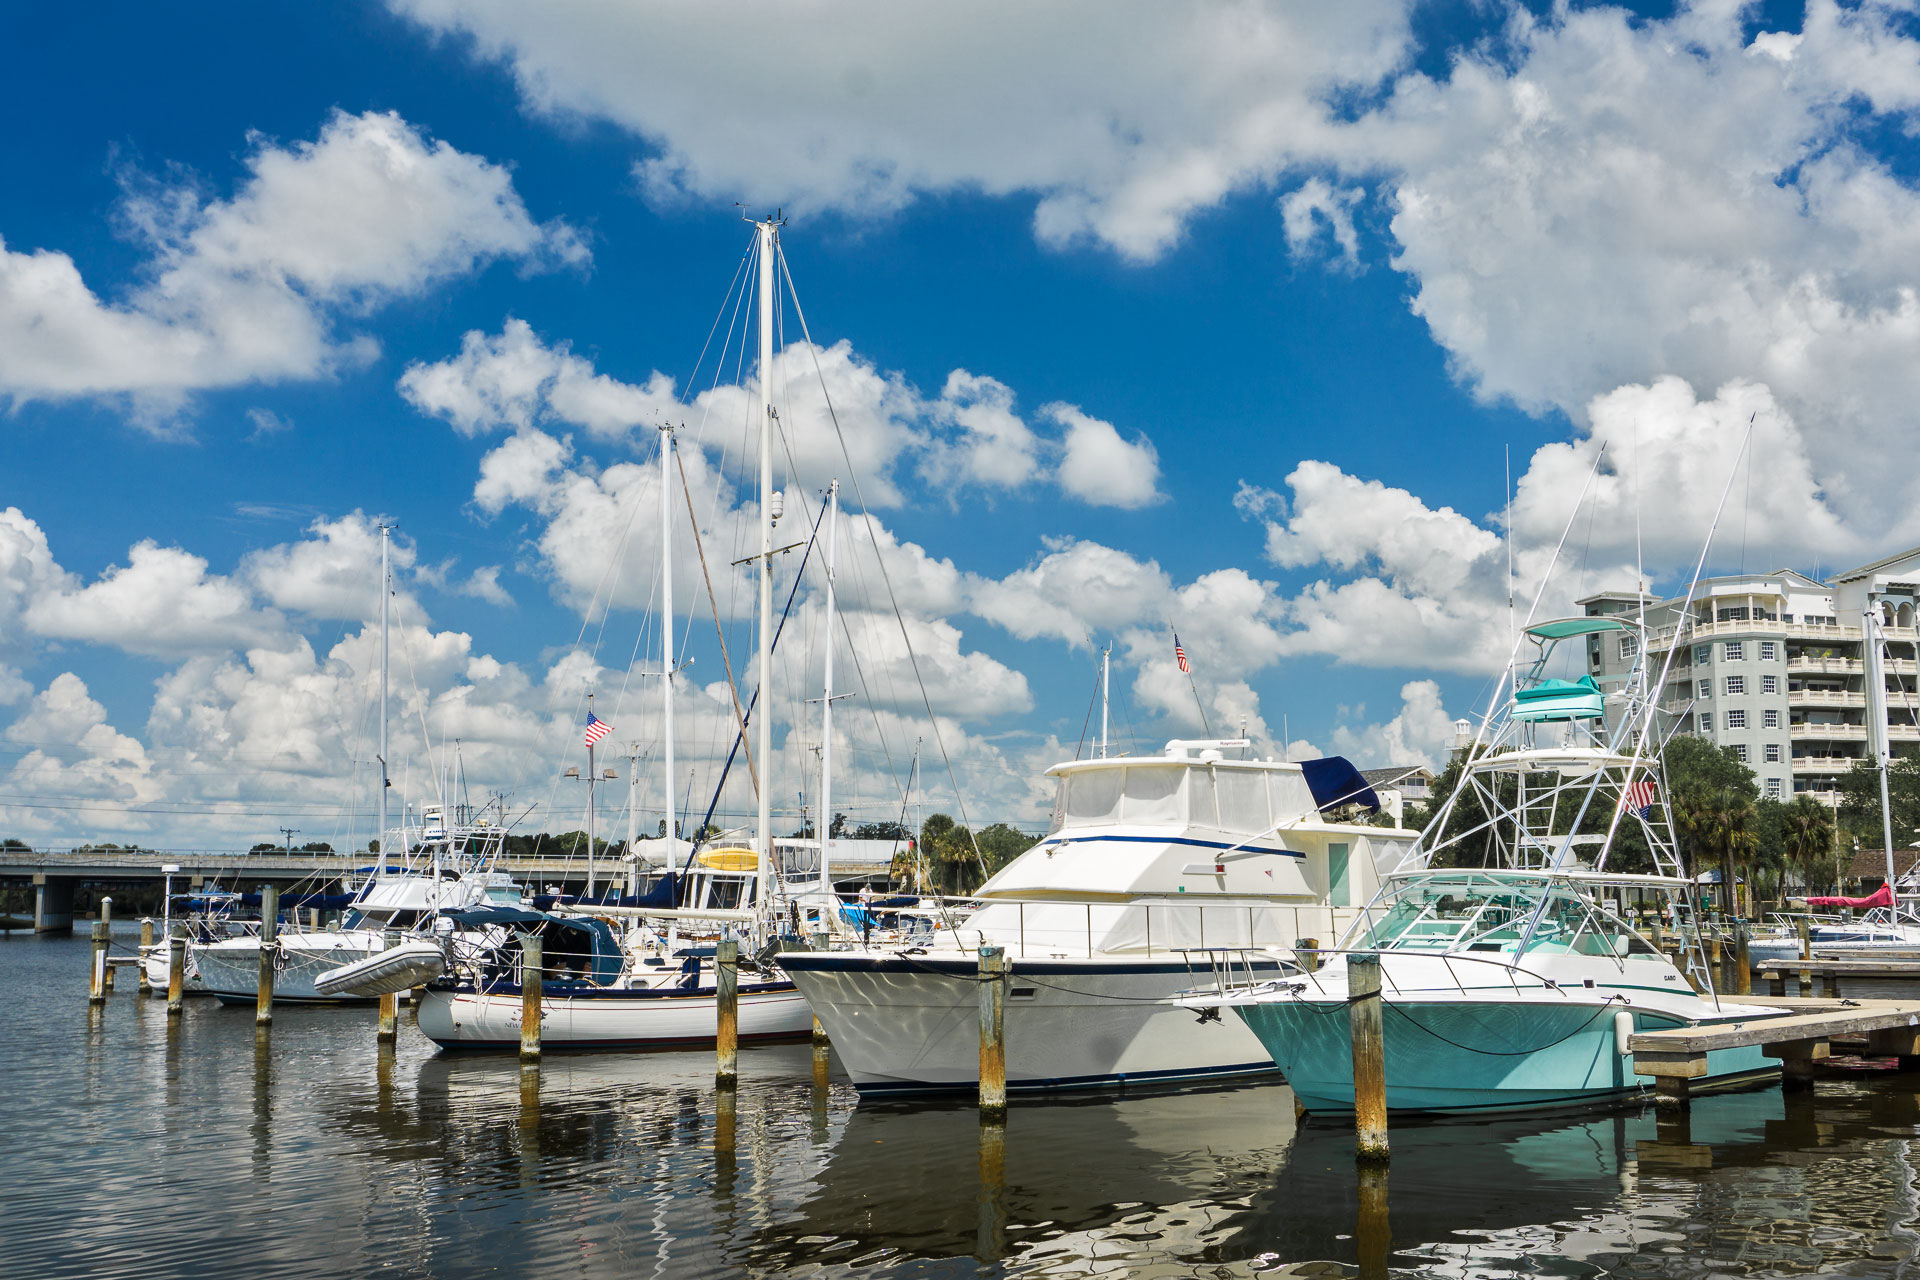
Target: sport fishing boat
x: 1150, y: 863
x: 1515, y: 985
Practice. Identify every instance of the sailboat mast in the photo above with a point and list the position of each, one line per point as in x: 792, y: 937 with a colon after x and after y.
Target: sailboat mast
x: 666, y: 636
x: 824, y: 824
x: 593, y: 779
x: 386, y: 596
x: 1882, y: 746
x: 763, y: 902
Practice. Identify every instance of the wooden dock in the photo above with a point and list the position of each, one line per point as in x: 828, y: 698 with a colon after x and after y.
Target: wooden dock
x: 1800, y: 1039
x: 1831, y: 971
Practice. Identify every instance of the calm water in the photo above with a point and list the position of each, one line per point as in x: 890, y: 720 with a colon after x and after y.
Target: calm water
x: 130, y: 1150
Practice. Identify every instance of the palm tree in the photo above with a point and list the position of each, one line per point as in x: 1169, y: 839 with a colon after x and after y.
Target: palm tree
x: 1807, y: 831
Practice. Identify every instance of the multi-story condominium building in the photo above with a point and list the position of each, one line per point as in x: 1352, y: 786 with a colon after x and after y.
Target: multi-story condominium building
x: 1775, y: 665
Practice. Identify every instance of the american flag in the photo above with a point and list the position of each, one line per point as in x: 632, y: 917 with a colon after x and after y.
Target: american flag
x: 1180, y: 655
x: 1639, y: 796
x: 596, y: 728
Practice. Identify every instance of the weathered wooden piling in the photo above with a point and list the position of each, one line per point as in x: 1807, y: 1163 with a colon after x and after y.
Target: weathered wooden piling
x: 1310, y: 954
x: 176, y: 974
x: 993, y: 1033
x: 531, y: 961
x: 1373, y: 1234
x: 1369, y: 1059
x: 269, y: 952
x: 389, y: 1002
x: 726, y: 1030
x: 1805, y: 930
x: 98, y: 969
x: 146, y: 945
x: 1742, y: 961
x: 106, y: 918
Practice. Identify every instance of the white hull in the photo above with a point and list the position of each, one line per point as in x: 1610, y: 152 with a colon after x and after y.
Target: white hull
x: 610, y: 1018
x: 156, y: 960
x: 912, y: 1024
x: 231, y: 969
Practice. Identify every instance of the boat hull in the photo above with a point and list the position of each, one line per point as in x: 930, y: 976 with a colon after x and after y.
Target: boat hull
x: 156, y: 961
x: 911, y: 1024
x: 230, y: 969
x: 610, y: 1018
x: 1458, y: 1057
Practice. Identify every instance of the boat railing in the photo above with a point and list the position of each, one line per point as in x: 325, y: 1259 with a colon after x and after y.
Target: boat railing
x: 1219, y: 965
x: 1184, y: 926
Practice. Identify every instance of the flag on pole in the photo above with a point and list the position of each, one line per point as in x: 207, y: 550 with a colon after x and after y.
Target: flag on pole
x: 596, y: 728
x: 1640, y: 796
x: 1180, y: 655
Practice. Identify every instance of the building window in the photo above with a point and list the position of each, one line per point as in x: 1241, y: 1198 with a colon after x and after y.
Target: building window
x: 1701, y: 652
x: 1769, y: 684
x: 1706, y: 688
x: 1736, y: 684
x: 1629, y: 646
x: 1737, y: 720
x: 1773, y: 788
x: 1740, y: 752
x: 1766, y: 651
x: 1770, y: 720
x: 1733, y: 651
x: 1773, y: 753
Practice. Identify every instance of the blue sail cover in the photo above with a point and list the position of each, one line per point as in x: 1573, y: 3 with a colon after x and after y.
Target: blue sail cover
x: 1335, y: 782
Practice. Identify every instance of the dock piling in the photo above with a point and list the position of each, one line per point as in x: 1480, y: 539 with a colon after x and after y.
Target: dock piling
x: 390, y: 1001
x: 993, y: 1033
x: 146, y: 945
x: 1369, y: 1059
x: 726, y: 1029
x: 176, y: 974
x: 269, y: 951
x: 1806, y: 938
x: 98, y: 968
x: 1742, y: 961
x: 531, y: 961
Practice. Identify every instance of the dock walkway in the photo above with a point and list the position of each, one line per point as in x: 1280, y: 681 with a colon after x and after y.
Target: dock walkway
x: 1832, y: 970
x: 1805, y: 1036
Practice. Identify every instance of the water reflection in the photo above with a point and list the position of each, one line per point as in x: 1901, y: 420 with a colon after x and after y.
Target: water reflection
x: 129, y: 1135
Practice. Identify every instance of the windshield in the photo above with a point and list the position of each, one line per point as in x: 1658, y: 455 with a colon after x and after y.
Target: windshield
x: 1488, y: 912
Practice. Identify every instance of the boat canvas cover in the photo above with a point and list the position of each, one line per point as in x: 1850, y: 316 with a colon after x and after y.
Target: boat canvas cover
x: 1559, y: 700
x: 1881, y: 897
x: 598, y: 942
x: 1335, y: 782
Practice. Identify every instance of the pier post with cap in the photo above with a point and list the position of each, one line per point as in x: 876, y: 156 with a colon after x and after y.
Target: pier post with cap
x: 389, y: 1001
x: 726, y: 1030
x: 176, y: 973
x: 993, y: 1038
x: 97, y: 963
x: 1369, y: 1059
x: 146, y: 945
x: 1742, y: 961
x: 269, y: 939
x: 531, y: 992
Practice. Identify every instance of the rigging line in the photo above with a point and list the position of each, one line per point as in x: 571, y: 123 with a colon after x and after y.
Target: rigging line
x: 712, y: 604
x: 1092, y: 702
x: 420, y: 704
x: 714, y: 328
x: 642, y: 632
x: 866, y: 513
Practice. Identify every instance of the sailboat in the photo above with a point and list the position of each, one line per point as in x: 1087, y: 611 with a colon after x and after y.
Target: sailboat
x: 1515, y: 985
x: 445, y: 862
x: 610, y: 996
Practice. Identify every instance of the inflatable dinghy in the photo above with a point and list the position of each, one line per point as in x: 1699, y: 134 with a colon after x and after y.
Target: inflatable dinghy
x: 411, y: 964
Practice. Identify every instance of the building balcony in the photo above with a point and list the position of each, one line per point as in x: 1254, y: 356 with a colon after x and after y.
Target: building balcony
x: 1803, y: 665
x: 1823, y: 795
x: 1825, y: 698
x: 1765, y: 628
x: 1826, y: 765
x: 1828, y: 732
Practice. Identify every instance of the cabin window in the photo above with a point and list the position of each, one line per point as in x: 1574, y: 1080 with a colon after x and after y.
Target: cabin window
x: 1339, y: 875
x: 1203, y: 810
x: 1153, y: 795
x: 1093, y: 796
x: 1242, y: 794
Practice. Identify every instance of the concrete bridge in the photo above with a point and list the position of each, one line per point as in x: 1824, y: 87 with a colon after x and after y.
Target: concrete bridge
x: 54, y: 877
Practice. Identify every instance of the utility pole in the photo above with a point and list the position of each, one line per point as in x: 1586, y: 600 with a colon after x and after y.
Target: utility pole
x: 290, y: 833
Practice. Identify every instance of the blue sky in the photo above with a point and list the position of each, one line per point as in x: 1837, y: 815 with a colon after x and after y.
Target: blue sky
x: 1261, y: 300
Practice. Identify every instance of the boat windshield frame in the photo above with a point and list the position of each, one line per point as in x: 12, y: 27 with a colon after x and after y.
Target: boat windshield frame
x: 1495, y: 911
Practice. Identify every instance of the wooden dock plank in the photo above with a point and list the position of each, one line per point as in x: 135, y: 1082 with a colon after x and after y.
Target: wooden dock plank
x: 1835, y: 1018
x: 1877, y: 967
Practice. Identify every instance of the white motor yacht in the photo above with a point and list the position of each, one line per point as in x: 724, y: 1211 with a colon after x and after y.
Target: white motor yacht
x: 1150, y: 864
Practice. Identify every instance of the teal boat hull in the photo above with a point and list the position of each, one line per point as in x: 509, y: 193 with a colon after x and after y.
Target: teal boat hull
x: 1453, y: 1057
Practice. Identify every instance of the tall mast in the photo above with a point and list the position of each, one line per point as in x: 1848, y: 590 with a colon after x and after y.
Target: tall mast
x: 763, y: 902
x: 1106, y: 656
x: 386, y: 596
x: 824, y: 825
x: 1882, y: 746
x: 666, y: 636
x: 593, y: 779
